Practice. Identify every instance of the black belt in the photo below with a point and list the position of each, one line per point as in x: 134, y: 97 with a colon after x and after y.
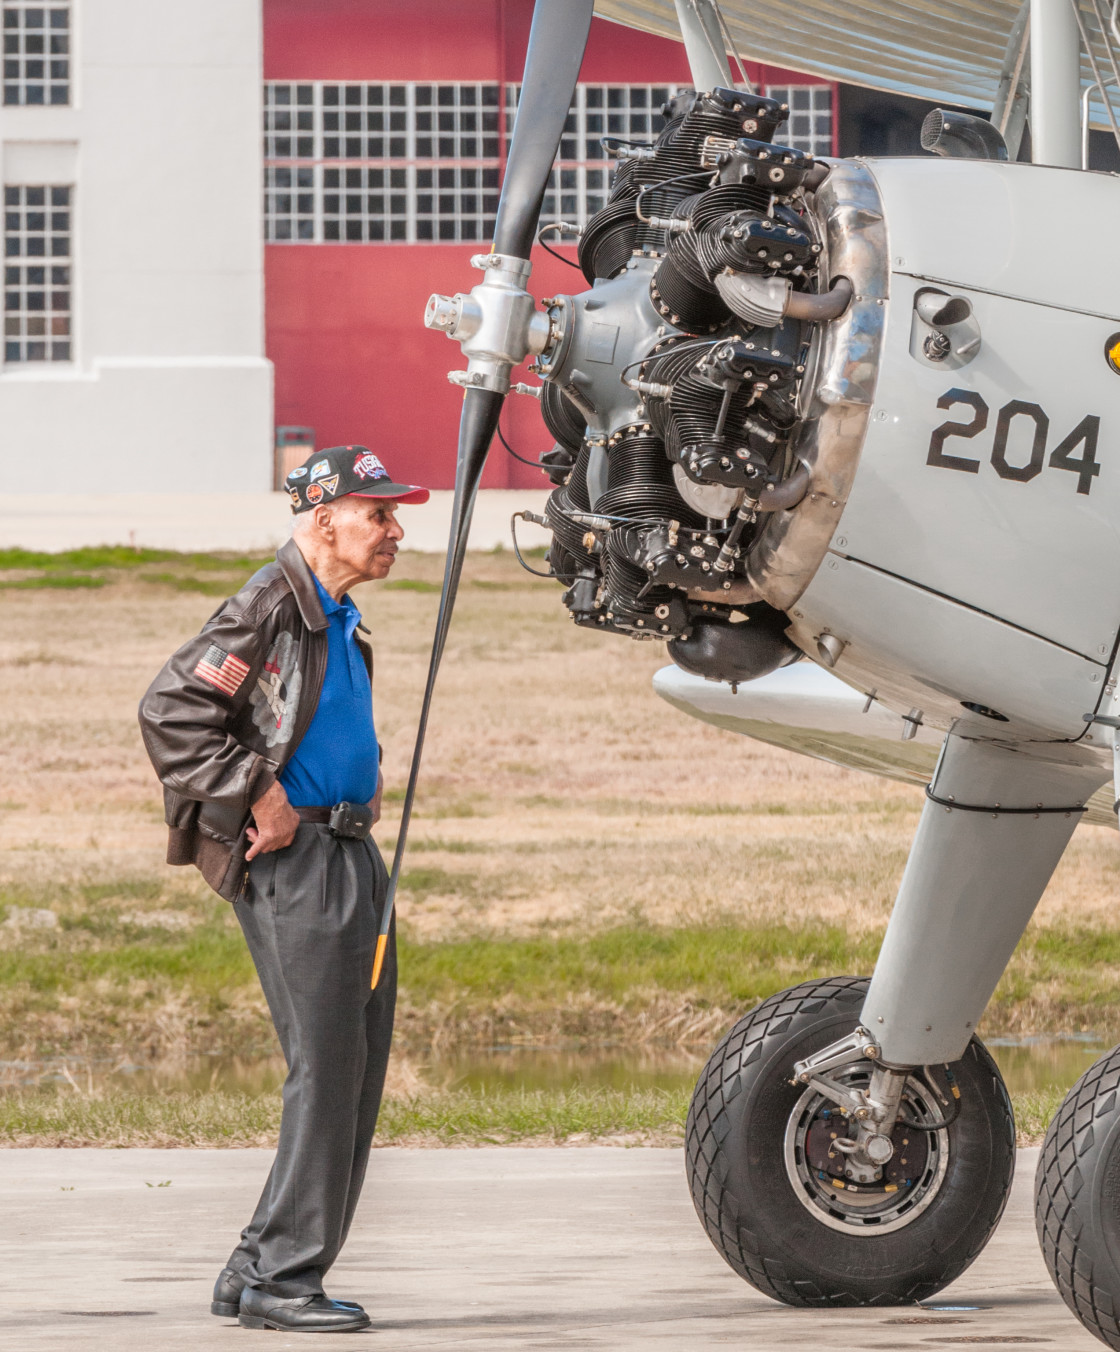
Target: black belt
x: 352, y: 821
x: 314, y: 814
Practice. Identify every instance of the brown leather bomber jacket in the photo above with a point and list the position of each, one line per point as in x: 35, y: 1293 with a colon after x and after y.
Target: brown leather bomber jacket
x: 229, y: 708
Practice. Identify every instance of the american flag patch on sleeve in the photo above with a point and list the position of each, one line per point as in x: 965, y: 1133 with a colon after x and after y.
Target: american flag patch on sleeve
x: 222, y: 669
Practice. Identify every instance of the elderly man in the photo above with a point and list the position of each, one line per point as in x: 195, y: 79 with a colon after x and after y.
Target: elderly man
x: 261, y: 730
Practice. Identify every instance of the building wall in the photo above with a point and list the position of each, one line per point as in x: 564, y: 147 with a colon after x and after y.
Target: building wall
x: 167, y: 387
x: 344, y: 328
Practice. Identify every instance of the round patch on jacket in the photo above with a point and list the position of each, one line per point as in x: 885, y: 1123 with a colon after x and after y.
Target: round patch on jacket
x: 276, y: 697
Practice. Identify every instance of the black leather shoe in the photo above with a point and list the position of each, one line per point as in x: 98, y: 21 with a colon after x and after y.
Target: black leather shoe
x: 227, y: 1295
x: 303, y: 1314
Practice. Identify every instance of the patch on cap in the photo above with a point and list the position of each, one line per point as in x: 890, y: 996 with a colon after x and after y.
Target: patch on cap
x: 367, y: 466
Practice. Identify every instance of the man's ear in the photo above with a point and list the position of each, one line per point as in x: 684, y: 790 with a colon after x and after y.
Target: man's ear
x: 324, y: 519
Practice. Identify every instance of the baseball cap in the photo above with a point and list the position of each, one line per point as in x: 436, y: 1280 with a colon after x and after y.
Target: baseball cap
x: 342, y: 471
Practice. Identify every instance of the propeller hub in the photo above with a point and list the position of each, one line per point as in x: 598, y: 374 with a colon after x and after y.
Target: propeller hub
x: 497, y: 325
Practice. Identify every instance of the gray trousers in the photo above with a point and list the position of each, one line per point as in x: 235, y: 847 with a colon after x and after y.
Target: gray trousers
x: 310, y: 914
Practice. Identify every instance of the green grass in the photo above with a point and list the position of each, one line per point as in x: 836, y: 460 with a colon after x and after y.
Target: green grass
x: 500, y: 1117
x: 121, y: 1118
x: 122, y: 556
x: 1034, y: 1111
x: 56, y: 581
x: 721, y: 965
x: 411, y: 584
x: 208, y: 586
x: 208, y: 962
x: 132, y: 889
x: 105, y: 556
x: 457, y: 1117
x: 95, y: 567
x: 102, y: 978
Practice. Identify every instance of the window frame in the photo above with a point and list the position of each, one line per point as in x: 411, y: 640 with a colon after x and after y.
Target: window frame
x: 24, y: 313
x: 70, y: 84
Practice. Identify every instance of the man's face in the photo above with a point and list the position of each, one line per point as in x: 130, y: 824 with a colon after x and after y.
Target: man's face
x: 366, y: 534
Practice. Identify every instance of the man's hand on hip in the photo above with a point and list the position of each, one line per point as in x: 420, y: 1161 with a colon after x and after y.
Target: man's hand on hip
x: 375, y: 801
x: 276, y: 822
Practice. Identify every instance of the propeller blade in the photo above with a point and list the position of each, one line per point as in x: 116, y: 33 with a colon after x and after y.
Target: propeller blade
x: 556, y: 45
x: 476, y: 430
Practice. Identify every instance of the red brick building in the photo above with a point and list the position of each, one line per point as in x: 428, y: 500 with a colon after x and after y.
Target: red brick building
x: 386, y: 127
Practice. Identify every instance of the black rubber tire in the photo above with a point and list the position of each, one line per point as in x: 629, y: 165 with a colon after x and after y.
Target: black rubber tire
x: 746, y: 1202
x: 1077, y: 1199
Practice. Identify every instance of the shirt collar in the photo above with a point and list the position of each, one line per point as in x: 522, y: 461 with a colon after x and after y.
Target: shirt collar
x: 332, y: 607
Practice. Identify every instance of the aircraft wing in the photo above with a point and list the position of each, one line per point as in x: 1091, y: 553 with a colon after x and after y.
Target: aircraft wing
x: 803, y: 708
x: 948, y: 51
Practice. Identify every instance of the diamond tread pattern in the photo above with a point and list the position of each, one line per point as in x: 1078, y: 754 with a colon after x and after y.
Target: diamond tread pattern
x: 1070, y: 1156
x: 707, y: 1128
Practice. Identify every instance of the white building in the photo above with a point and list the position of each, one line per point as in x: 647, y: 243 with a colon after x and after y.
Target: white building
x: 130, y: 156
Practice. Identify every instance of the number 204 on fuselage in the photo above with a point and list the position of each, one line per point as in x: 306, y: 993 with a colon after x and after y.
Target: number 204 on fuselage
x: 985, y: 514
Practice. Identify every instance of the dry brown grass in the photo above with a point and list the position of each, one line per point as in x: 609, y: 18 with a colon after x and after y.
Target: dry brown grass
x: 558, y: 794
x: 557, y: 788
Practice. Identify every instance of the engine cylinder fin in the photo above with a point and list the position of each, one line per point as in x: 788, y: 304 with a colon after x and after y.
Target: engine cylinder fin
x: 607, y: 242
x: 561, y: 417
x: 640, y: 480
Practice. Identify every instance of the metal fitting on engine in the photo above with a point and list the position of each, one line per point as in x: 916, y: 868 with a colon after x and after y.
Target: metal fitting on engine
x: 618, y: 149
x: 497, y: 324
x: 675, y: 225
x: 652, y: 388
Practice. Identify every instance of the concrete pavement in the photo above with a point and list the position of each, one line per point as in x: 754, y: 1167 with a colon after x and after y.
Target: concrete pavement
x: 502, y: 1249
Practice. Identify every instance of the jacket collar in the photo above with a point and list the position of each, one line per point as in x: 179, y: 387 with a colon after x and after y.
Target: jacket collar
x: 302, y: 582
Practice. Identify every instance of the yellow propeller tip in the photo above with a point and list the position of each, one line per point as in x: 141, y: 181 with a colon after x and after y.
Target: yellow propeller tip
x: 379, y: 959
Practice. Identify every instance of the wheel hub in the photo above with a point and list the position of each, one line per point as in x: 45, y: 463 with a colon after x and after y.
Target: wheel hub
x: 868, y: 1187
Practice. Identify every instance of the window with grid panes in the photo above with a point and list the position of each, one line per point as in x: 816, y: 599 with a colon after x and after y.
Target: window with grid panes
x: 456, y: 203
x: 289, y: 202
x: 37, y: 52
x: 290, y: 116
x: 810, y: 117
x: 365, y: 205
x: 36, y: 273
x: 419, y: 163
x: 457, y: 122
x: 366, y: 122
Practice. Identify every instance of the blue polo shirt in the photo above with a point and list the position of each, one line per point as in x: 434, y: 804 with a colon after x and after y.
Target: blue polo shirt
x: 337, y: 759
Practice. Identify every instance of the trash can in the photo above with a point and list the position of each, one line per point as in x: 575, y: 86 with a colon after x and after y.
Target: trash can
x: 293, y: 446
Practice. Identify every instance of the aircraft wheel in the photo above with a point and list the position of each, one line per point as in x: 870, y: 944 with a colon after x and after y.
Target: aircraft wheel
x: 1077, y: 1199
x: 783, y: 1216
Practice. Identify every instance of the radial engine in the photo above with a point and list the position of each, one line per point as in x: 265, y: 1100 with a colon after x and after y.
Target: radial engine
x: 693, y: 402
